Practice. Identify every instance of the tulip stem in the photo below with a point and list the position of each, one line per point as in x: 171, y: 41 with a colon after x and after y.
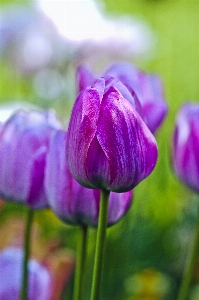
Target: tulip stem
x: 27, y: 235
x: 81, y: 251
x: 190, y: 265
x: 100, y: 245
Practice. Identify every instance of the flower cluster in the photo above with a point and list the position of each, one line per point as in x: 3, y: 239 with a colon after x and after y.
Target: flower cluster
x: 85, y: 173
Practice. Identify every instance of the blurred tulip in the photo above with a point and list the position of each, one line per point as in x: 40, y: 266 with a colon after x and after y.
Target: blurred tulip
x: 24, y: 139
x: 70, y: 201
x: 147, y: 87
x: 108, y: 146
x: 84, y: 78
x: 40, y: 279
x: 186, y: 145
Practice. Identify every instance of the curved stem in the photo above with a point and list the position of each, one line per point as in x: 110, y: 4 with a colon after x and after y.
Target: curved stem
x: 100, y: 243
x: 81, y: 251
x: 24, y: 284
x: 189, y: 268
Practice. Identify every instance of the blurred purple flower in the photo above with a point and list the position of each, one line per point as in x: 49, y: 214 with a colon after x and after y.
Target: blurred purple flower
x: 109, y: 146
x: 186, y: 145
x: 84, y: 78
x: 40, y: 279
x: 24, y: 139
x: 146, y: 87
x: 72, y: 202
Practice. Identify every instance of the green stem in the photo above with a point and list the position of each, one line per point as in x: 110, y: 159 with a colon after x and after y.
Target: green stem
x: 189, y: 268
x: 24, y: 284
x: 100, y: 244
x: 81, y: 251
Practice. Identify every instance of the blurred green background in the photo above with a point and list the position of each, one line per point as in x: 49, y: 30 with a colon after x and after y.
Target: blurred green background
x: 152, y: 240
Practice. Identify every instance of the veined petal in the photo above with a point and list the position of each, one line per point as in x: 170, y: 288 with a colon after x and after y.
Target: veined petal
x: 85, y: 117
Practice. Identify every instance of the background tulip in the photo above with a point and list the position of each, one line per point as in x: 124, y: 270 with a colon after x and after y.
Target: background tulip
x: 186, y: 145
x: 70, y: 201
x: 108, y: 146
x: 149, y: 89
x: 40, y: 280
x: 24, y: 139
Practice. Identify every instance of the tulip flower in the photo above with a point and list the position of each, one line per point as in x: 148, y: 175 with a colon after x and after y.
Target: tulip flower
x: 147, y: 87
x: 186, y: 165
x: 69, y: 200
x: 24, y: 139
x: 109, y: 146
x: 186, y: 145
x: 40, y: 279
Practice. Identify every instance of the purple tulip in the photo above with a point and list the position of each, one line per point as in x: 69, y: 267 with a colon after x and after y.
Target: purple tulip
x: 40, y: 279
x: 72, y: 202
x: 147, y: 88
x: 24, y: 139
x: 109, y: 146
x: 186, y: 145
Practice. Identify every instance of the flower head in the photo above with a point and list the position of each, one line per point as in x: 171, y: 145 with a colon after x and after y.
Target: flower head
x: 40, y: 279
x: 108, y: 146
x: 24, y: 139
x: 72, y: 202
x: 186, y: 145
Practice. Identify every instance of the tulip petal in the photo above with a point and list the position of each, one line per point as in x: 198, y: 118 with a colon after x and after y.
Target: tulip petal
x: 118, y: 204
x: 85, y: 116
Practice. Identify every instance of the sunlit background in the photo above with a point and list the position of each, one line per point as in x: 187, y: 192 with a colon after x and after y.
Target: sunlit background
x: 41, y: 44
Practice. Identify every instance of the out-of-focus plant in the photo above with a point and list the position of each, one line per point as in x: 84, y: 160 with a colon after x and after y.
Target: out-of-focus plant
x: 148, y: 284
x: 75, y: 204
x: 185, y: 159
x: 24, y: 139
x: 40, y: 279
